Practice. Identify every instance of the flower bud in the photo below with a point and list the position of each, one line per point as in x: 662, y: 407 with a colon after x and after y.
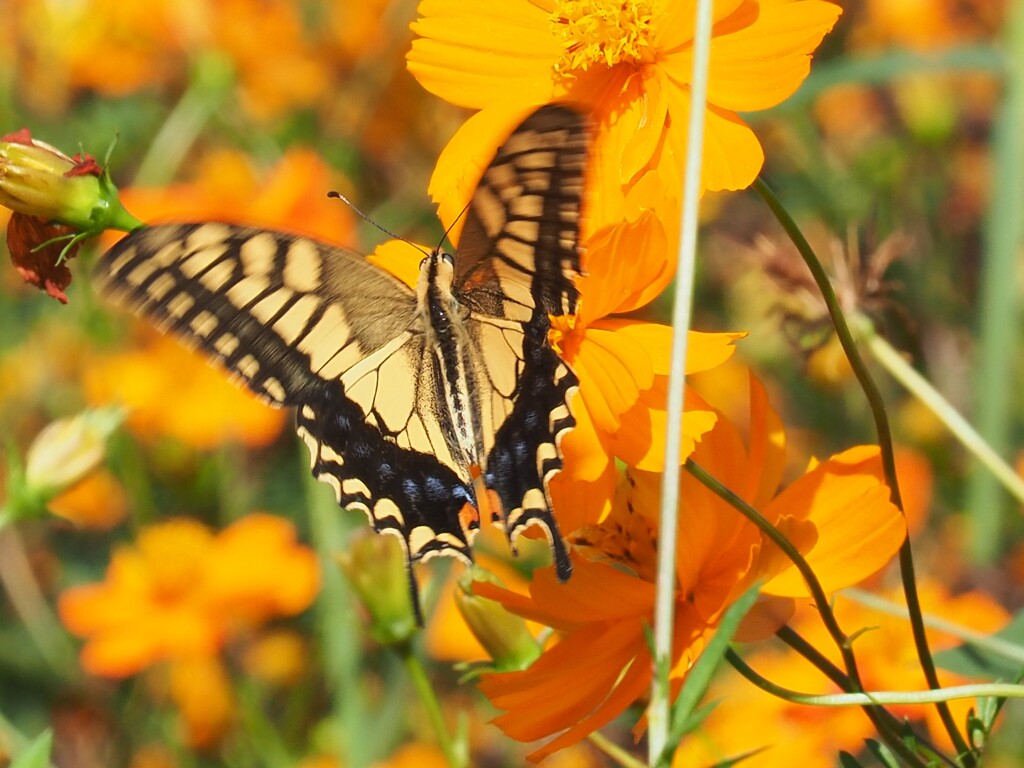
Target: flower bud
x: 39, y: 180
x: 502, y: 634
x: 375, y: 567
x: 67, y: 450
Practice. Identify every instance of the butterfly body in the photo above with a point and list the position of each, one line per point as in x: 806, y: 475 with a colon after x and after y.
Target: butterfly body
x: 413, y: 402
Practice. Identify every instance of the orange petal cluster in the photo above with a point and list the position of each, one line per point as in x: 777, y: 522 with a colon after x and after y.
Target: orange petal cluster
x: 182, y: 591
x: 828, y: 514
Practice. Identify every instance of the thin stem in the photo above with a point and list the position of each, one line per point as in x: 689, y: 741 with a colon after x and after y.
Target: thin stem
x: 664, y: 610
x: 851, y: 680
x: 922, y: 389
x: 872, y: 700
x: 1011, y: 651
x: 881, y: 418
x: 888, y: 726
x: 878, y: 698
x: 614, y: 751
x: 183, y: 125
x: 428, y: 697
x: 31, y: 606
x: 821, y: 600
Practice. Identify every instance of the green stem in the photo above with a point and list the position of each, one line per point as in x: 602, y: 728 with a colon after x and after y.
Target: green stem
x: 824, y: 607
x: 339, y: 629
x: 204, y: 95
x: 453, y: 752
x: 995, y: 391
x: 889, y: 727
x: 881, y: 418
x: 878, y: 698
x: 922, y: 389
x: 32, y: 608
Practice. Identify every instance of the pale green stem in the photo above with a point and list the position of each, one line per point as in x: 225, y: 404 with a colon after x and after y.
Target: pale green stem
x: 995, y: 645
x: 614, y: 751
x: 918, y: 386
x: 183, y: 125
x: 664, y: 610
x: 31, y: 606
x: 454, y: 753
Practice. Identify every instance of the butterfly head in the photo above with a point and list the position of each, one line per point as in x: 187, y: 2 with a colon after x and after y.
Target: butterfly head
x: 437, y: 271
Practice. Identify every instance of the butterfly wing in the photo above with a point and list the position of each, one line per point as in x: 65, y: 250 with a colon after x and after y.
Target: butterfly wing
x: 515, y: 265
x: 305, y: 324
x: 519, y: 248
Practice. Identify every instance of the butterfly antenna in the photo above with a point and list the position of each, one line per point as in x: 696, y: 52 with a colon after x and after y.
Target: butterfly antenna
x: 337, y: 195
x: 452, y: 226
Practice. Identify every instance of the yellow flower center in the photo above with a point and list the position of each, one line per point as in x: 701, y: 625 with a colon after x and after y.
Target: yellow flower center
x: 604, y: 32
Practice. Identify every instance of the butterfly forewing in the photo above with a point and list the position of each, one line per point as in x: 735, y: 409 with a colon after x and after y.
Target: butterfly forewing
x: 519, y: 247
x: 308, y: 325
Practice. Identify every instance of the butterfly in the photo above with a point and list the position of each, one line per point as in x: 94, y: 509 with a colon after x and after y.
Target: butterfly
x: 421, y: 407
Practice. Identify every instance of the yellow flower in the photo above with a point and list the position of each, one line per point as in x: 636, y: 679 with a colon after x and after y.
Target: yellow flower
x: 98, y: 502
x: 629, y: 65
x: 182, y: 592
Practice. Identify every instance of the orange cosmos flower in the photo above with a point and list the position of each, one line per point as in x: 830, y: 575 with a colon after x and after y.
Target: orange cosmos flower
x: 181, y: 592
x: 170, y: 391
x: 225, y: 186
x: 629, y: 64
x: 793, y: 734
x: 118, y: 48
x: 838, y: 515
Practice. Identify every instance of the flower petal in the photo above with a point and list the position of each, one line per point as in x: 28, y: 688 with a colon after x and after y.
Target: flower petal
x: 859, y: 529
x: 464, y: 159
x: 612, y: 373
x: 640, y: 441
x: 478, y: 53
x: 615, y: 283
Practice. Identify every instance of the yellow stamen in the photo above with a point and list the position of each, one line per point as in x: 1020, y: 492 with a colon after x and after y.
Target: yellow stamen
x: 604, y: 32
x: 561, y: 332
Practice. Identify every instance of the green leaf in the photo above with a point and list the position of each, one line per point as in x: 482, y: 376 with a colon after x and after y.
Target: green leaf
x: 846, y: 760
x: 36, y: 754
x: 882, y: 754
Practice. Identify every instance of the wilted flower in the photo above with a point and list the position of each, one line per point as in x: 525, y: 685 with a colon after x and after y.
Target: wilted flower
x: 57, y: 201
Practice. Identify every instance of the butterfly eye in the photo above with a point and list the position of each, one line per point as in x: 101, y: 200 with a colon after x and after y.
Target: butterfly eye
x: 448, y: 258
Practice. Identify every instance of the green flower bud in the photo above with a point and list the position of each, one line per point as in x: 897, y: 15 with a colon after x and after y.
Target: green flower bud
x: 375, y: 567
x: 67, y: 450
x: 502, y: 634
x: 39, y: 180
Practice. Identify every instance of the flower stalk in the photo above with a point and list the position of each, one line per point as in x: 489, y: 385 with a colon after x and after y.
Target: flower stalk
x: 884, y: 433
x: 664, y: 611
